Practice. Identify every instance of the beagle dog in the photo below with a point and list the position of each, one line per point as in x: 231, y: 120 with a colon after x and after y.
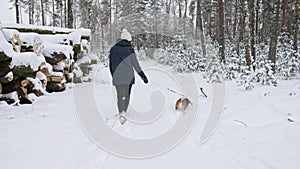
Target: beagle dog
x: 182, y: 104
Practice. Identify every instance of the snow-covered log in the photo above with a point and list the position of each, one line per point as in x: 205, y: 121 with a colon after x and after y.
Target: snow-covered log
x: 55, y: 87
x: 19, y: 63
x: 55, y: 53
x: 12, y: 36
x: 37, y: 29
x: 26, y: 64
x: 31, y: 42
x: 4, y: 68
x: 32, y: 56
x: 8, y: 87
x: 24, y: 71
x: 59, y: 67
x: 21, y: 85
x: 78, y: 75
x: 55, y: 58
x: 46, y: 69
x: 10, y: 98
x: 4, y: 57
x: 55, y: 39
x: 6, y: 50
x: 37, y: 87
x: 42, y: 78
x: 56, y: 77
x: 85, y: 33
x: 7, y: 78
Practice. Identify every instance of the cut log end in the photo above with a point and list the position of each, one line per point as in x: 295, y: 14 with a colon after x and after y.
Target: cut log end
x: 55, y: 87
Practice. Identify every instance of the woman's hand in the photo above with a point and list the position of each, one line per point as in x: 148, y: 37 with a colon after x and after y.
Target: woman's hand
x: 143, y: 76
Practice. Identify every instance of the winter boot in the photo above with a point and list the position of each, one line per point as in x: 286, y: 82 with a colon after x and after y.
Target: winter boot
x: 122, y: 117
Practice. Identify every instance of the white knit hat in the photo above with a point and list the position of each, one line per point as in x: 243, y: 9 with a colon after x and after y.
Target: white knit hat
x: 126, y: 35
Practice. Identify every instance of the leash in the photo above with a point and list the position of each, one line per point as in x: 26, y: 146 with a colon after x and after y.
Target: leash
x: 204, y: 94
x: 171, y: 90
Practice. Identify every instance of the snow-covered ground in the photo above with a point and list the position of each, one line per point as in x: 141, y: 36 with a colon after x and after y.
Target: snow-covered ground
x: 259, y: 128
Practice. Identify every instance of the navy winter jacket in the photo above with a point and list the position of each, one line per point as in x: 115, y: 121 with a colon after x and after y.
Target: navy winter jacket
x: 122, y: 60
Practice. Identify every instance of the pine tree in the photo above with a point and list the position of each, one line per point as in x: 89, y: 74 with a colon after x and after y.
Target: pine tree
x: 245, y: 79
x: 264, y: 73
x: 288, y: 59
x: 215, y: 67
x: 233, y: 62
x: 86, y: 13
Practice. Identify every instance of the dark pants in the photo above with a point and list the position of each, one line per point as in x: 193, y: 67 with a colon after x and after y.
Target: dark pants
x: 123, y: 94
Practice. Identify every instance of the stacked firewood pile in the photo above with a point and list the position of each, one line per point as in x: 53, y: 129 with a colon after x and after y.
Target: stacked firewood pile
x: 36, y: 63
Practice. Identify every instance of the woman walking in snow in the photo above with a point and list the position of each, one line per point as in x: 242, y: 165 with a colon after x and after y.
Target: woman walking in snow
x: 122, y: 60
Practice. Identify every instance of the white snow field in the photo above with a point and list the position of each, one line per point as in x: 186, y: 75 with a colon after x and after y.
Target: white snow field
x: 259, y: 128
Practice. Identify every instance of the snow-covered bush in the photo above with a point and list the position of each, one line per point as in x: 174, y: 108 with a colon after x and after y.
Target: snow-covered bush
x: 161, y: 55
x: 182, y: 54
x: 232, y: 69
x: 94, y: 58
x: 245, y: 78
x: 188, y: 55
x: 233, y: 62
x: 190, y: 61
x: 141, y: 54
x: 288, y: 60
x: 104, y: 57
x: 264, y: 73
x: 215, y: 69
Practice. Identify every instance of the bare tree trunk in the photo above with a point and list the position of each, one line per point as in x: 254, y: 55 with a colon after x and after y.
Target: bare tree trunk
x: 21, y: 16
x: 43, y: 12
x: 167, y: 7
x: 185, y: 15
x: 257, y: 20
x: 241, y: 24
x: 198, y: 18
x: 252, y: 30
x: 65, y: 13
x: 17, y: 7
x: 53, y: 13
x: 174, y: 7
x: 180, y: 9
x: 70, y: 14
x: 116, y: 20
x: 185, y: 8
x: 61, y: 14
x: 296, y: 26
x: 285, y: 15
x: 102, y: 30
x: 227, y: 19
x: 236, y: 25
x: 221, y: 37
x: 247, y: 35
x: 30, y: 11
x: 209, y: 25
x: 216, y: 22
x: 275, y: 27
x: 110, y: 21
x: 199, y: 28
x: 267, y: 23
